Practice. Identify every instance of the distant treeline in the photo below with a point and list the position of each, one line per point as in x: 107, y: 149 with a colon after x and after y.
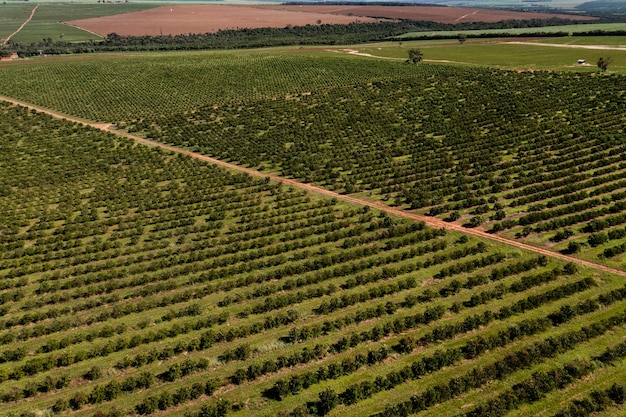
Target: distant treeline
x: 605, y: 8
x: 360, y: 3
x: 538, y: 34
x: 264, y: 37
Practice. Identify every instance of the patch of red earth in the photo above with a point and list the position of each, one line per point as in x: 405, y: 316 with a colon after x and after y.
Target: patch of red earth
x: 178, y: 20
x: 439, y: 14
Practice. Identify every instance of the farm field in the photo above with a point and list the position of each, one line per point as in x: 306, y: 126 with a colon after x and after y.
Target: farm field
x: 569, y: 29
x: 544, y: 165
x: 47, y: 18
x: 114, y: 88
x: 139, y: 282
x: 538, y: 170
x: 441, y: 14
x: 544, y: 172
x: 566, y: 5
x: 184, y: 19
x: 11, y: 18
x: 127, y: 292
x: 619, y: 41
x: 135, y: 281
x: 602, y: 7
x: 552, y: 54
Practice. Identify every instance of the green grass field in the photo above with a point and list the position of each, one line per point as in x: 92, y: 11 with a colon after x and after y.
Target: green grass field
x: 505, y: 54
x: 11, y: 18
x: 46, y: 22
x: 618, y: 41
x: 569, y: 29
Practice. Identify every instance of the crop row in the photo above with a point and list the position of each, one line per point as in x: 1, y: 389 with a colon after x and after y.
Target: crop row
x: 134, y: 284
x: 406, y: 139
x: 135, y: 280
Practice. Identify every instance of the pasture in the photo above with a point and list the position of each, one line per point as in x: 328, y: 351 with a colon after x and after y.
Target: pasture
x: 47, y: 20
x: 551, y: 54
x: 571, y: 30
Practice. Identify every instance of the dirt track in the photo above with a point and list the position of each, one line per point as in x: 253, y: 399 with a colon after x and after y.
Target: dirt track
x: 32, y: 13
x: 559, y: 45
x: 430, y: 221
x: 357, y: 53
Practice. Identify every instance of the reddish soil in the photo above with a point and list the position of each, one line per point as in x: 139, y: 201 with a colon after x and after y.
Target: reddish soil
x: 176, y: 20
x: 429, y: 13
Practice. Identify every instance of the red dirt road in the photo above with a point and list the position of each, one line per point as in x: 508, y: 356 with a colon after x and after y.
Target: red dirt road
x: 430, y: 221
x: 177, y: 20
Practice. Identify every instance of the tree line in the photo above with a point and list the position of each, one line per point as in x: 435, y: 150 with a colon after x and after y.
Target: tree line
x: 324, y: 34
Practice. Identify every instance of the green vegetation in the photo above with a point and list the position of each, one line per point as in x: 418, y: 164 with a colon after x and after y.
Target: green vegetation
x: 323, y: 34
x: 532, y: 156
x: 123, y: 87
x: 137, y: 281
x: 553, y: 6
x: 524, y: 154
x: 46, y: 22
x: 506, y: 54
x: 586, y: 40
x: 566, y: 29
x: 12, y: 17
x: 415, y: 56
x: 610, y: 8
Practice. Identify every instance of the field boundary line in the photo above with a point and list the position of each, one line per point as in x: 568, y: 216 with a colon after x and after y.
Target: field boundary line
x: 465, y: 15
x: 430, y: 221
x: 559, y: 45
x: 32, y: 13
x: 84, y: 30
x: 366, y: 55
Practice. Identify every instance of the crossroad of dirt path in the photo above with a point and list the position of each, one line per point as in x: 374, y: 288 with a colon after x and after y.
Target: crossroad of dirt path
x: 430, y: 221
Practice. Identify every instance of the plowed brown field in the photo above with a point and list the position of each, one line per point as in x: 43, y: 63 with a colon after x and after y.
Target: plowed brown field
x: 427, y: 13
x: 175, y: 20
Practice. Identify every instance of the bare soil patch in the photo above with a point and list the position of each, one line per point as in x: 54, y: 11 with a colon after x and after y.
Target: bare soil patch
x: 177, y: 20
x: 428, y: 13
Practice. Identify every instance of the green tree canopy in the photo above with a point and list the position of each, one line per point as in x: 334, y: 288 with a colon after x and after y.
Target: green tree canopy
x: 415, y: 55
